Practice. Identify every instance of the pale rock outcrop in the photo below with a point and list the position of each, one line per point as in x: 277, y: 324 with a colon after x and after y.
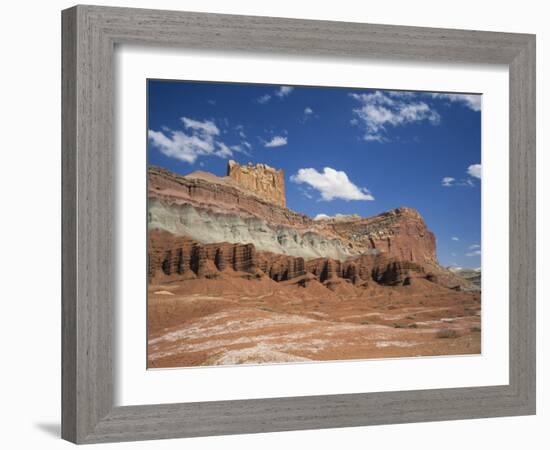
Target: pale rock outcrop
x: 267, y: 182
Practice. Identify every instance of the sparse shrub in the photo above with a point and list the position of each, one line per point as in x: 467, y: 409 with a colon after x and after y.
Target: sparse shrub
x: 475, y: 329
x: 446, y: 333
x: 398, y: 325
x: 413, y: 325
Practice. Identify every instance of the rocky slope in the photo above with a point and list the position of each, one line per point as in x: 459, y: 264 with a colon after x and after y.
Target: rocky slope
x: 211, y: 209
x: 400, y: 233
x: 471, y: 275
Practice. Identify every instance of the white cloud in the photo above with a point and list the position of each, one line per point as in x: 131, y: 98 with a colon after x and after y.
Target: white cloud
x: 338, y: 216
x: 331, y: 184
x: 207, y: 127
x: 474, y: 253
x: 321, y: 217
x: 474, y: 246
x: 475, y: 171
x: 308, y: 114
x: 263, y: 99
x: 379, y: 110
x: 454, y: 238
x: 471, y: 101
x: 224, y: 151
x: 240, y: 130
x: 374, y: 138
x: 199, y: 138
x: 276, y: 141
x: 284, y: 91
x: 447, y: 181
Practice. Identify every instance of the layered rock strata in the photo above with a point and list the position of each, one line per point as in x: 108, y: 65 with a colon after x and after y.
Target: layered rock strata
x: 214, y: 209
x: 177, y: 258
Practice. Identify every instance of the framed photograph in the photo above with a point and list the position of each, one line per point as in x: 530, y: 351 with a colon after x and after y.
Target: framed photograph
x: 276, y: 224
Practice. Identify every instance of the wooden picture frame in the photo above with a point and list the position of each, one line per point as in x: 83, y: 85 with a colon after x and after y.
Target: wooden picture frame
x: 90, y: 34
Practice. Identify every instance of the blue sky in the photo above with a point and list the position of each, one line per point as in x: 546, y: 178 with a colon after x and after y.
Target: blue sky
x: 343, y: 150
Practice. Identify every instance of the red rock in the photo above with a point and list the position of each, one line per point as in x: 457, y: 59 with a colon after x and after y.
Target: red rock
x: 401, y: 233
x: 174, y: 258
x: 391, y: 248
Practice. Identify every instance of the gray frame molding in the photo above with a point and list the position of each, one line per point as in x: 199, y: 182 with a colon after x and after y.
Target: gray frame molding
x: 89, y: 37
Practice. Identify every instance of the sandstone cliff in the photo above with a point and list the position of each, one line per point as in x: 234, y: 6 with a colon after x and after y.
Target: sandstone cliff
x: 401, y: 233
x: 261, y: 179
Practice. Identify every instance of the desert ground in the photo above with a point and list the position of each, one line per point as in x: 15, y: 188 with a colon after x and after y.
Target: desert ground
x: 237, y: 320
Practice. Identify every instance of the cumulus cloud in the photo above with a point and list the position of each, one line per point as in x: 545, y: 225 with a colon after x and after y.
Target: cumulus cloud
x: 276, y: 141
x: 472, y: 101
x: 474, y: 246
x: 284, y: 91
x: 331, y: 184
x: 379, y: 110
x: 447, y: 181
x: 308, y: 111
x: 474, y: 253
x: 475, y: 171
x: 199, y: 138
x: 454, y: 238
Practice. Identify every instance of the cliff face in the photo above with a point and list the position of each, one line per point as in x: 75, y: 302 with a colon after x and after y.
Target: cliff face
x: 265, y: 181
x: 213, y: 209
x: 176, y: 258
x: 400, y: 233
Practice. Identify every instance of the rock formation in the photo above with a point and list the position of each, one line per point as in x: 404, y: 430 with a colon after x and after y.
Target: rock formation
x: 267, y: 182
x: 401, y: 233
x: 239, y: 222
x: 235, y: 277
x: 215, y: 209
x: 173, y: 258
x: 178, y: 258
